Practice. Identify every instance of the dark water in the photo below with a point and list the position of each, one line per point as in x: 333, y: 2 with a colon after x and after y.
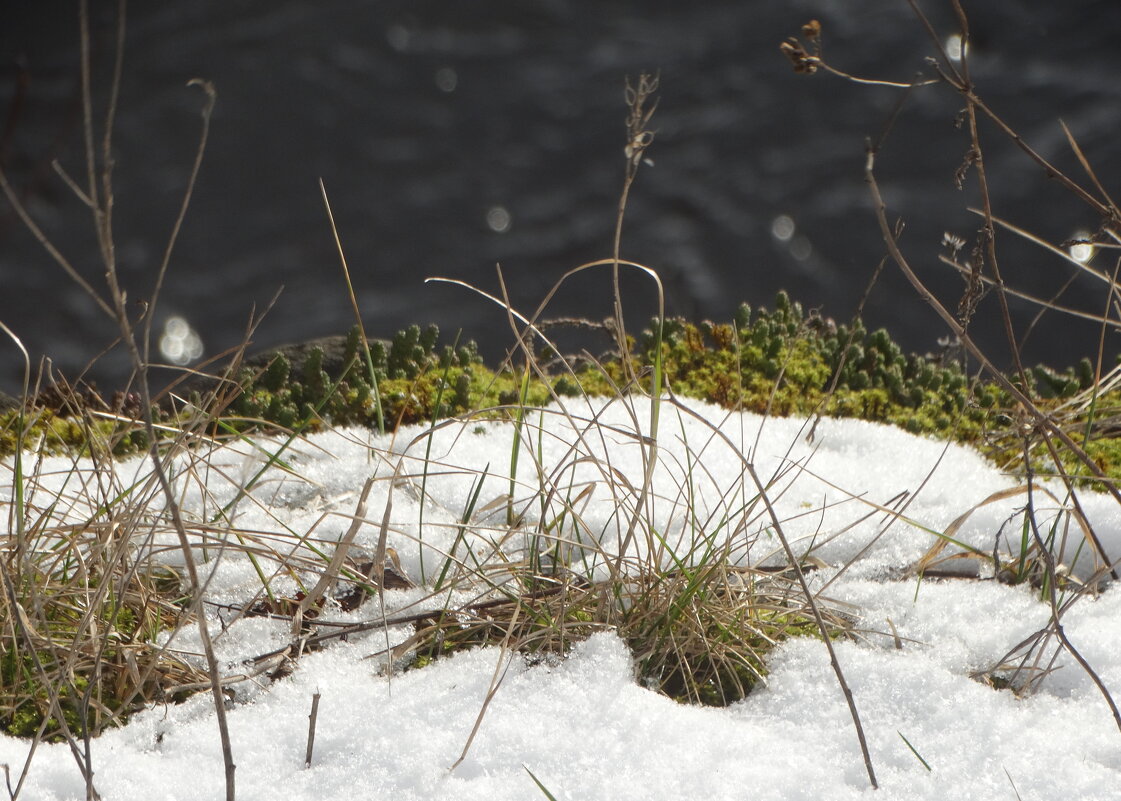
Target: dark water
x: 430, y: 120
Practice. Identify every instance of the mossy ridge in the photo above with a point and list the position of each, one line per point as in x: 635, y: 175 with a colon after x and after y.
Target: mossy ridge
x: 413, y: 378
x: 781, y: 361
x: 784, y: 362
x: 82, y: 424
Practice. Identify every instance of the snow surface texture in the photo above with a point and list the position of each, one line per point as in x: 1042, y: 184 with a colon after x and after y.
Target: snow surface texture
x: 584, y: 726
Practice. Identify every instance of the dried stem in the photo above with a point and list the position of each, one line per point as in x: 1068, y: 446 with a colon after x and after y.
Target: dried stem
x: 639, y: 138
x: 795, y: 563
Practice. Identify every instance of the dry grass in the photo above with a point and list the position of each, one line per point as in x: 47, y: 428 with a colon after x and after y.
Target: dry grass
x: 1057, y: 440
x: 104, y: 565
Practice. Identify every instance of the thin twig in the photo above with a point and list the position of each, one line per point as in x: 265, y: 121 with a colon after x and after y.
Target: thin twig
x: 988, y: 231
x: 1042, y: 420
x: 207, y: 113
x: 30, y: 224
x: 103, y: 224
x: 825, y: 638
x: 311, y: 729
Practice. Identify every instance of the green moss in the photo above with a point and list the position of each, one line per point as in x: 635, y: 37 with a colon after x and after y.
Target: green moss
x: 784, y: 362
x: 53, y: 432
x: 412, y: 376
x: 33, y: 707
x: 75, y: 657
x: 780, y: 361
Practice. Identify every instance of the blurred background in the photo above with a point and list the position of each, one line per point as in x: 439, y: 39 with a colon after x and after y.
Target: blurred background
x: 456, y: 136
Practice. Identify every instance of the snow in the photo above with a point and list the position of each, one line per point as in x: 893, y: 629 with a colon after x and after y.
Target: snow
x: 584, y: 726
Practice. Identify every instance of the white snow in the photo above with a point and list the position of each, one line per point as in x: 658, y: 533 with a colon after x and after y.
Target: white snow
x: 585, y: 726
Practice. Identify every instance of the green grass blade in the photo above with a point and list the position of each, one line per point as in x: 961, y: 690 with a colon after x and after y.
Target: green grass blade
x: 918, y: 756
x: 544, y: 790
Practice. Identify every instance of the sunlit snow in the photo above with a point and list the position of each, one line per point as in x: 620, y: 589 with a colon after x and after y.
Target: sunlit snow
x: 584, y: 726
